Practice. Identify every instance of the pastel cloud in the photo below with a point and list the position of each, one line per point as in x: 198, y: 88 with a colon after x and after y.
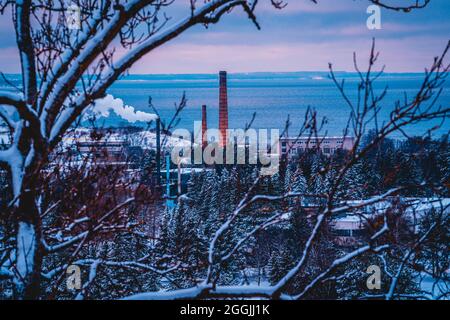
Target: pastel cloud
x: 184, y: 58
x: 303, y: 36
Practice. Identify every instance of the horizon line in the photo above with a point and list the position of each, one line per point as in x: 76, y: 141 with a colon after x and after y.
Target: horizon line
x: 243, y: 72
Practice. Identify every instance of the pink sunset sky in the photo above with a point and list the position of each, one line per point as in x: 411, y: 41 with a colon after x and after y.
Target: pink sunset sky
x: 302, y: 37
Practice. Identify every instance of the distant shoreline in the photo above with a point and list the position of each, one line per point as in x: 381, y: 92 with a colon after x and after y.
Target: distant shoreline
x: 253, y: 73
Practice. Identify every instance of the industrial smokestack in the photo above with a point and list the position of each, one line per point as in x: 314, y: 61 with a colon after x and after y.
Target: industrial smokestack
x: 158, y: 151
x: 204, y: 128
x: 223, y: 107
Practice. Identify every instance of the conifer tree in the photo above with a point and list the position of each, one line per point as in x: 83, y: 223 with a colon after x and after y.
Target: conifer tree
x: 354, y: 186
x: 279, y: 264
x: 299, y: 184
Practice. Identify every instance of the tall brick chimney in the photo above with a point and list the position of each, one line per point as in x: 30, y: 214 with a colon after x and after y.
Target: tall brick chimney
x: 223, y: 107
x: 204, y: 127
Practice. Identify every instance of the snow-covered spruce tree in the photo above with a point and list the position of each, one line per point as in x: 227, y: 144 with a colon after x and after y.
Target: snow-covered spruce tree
x: 408, y: 171
x: 299, y: 183
x: 181, y: 243
x: 65, y: 66
x: 354, y: 186
x: 194, y: 186
x: 221, y: 207
x: 443, y: 165
x: 235, y: 186
x: 279, y: 263
x: 288, y: 177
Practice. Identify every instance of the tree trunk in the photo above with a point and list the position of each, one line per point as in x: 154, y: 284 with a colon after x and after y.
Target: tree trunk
x: 28, y: 248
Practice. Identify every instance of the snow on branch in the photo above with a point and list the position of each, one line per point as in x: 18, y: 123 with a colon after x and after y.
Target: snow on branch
x: 336, y: 263
x: 407, y: 7
x: 16, y: 101
x: 198, y: 16
x: 95, y: 263
x: 320, y: 220
x: 99, y: 224
x: 406, y: 257
x: 26, y: 50
x: 210, y: 290
x: 12, y: 99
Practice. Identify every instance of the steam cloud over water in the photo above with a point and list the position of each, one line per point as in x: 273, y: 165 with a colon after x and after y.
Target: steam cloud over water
x: 103, y: 107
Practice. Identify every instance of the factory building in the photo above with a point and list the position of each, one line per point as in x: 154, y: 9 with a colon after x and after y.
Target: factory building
x: 292, y: 146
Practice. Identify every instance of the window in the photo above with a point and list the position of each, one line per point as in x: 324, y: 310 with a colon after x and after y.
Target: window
x: 326, y: 150
x: 343, y: 232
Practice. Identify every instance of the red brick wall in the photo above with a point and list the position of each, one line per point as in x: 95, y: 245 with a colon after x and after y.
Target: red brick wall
x: 223, y: 106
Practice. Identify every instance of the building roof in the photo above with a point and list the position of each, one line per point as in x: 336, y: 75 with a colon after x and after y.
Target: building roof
x: 144, y: 139
x: 316, y: 138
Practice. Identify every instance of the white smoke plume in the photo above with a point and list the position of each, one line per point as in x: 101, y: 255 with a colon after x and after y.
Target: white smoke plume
x: 103, y: 107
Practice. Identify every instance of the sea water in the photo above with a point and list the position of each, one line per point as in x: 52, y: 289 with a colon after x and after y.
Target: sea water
x: 272, y: 96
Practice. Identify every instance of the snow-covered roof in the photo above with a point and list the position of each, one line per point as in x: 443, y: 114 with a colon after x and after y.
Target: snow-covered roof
x: 147, y: 140
x: 314, y: 138
x: 417, y: 206
x: 412, y: 205
x: 188, y: 170
x: 144, y: 139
